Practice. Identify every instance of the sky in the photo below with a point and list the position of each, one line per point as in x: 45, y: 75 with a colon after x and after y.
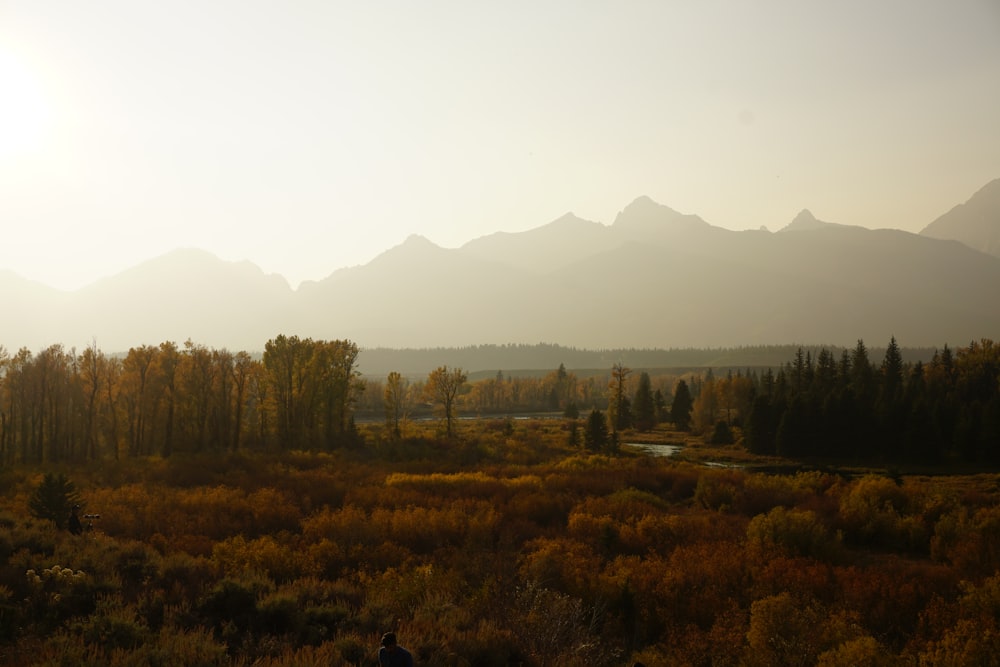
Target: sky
x: 307, y: 136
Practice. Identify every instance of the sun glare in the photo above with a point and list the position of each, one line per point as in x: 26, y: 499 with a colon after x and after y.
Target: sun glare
x: 23, y: 109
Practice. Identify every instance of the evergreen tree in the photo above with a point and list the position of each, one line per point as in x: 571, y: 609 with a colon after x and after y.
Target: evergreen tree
x: 644, y: 410
x: 890, y: 412
x: 759, y: 432
x: 595, y: 438
x: 574, y: 433
x: 825, y: 378
x: 792, y: 437
x: 54, y: 499
x: 798, y: 372
x: 861, y: 372
x: 660, y: 406
x: 722, y: 435
x: 680, y: 408
x: 892, y: 372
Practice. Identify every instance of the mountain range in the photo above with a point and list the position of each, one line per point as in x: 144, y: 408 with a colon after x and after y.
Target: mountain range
x: 654, y: 278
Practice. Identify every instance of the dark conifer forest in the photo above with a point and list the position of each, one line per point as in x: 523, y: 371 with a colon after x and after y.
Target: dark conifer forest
x: 857, y: 408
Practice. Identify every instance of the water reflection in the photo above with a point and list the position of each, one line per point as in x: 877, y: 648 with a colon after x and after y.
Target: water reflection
x: 655, y: 450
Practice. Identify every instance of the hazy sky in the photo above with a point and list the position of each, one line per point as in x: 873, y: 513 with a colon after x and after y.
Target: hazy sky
x: 306, y: 136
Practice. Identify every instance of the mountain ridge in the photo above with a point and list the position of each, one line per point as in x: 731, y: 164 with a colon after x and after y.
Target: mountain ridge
x: 653, y: 278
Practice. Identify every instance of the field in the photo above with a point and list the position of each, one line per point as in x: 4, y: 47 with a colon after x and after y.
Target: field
x: 503, y: 545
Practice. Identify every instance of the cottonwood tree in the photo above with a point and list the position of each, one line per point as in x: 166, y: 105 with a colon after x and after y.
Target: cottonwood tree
x: 140, y: 396
x: 285, y: 363
x: 394, y: 399
x: 90, y: 378
x: 338, y: 382
x: 705, y: 409
x: 442, y: 387
x: 242, y: 371
x: 167, y: 362
x: 313, y: 386
x: 620, y: 407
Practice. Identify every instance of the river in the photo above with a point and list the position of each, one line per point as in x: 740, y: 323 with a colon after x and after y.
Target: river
x: 655, y: 450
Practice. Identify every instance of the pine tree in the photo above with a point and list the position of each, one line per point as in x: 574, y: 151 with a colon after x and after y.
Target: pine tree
x: 660, y: 406
x: 644, y: 410
x: 596, y: 436
x: 54, y: 499
x: 892, y: 372
x: 680, y: 408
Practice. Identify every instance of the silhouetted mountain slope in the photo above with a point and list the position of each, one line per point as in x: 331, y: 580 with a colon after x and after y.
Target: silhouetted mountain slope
x: 655, y: 278
x: 31, y: 313
x: 561, y: 242
x: 184, y: 294
x: 415, y: 292
x: 976, y: 223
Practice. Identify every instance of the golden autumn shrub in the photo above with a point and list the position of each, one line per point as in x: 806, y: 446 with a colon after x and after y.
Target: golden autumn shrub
x: 282, y: 562
x: 273, y: 511
x: 969, y: 541
x: 563, y: 565
x: 759, y: 493
x: 890, y: 594
x: 182, y: 577
x: 719, y: 489
x: 876, y: 511
x: 793, y: 532
x: 700, y: 581
x: 969, y: 642
x: 783, y: 631
x: 304, y: 558
x: 863, y: 651
x: 804, y: 578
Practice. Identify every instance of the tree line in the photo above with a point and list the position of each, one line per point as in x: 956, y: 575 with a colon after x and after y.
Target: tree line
x: 61, y: 405
x: 58, y: 405
x: 418, y: 362
x: 855, y: 408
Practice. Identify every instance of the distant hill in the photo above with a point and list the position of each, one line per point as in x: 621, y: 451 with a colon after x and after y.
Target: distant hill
x: 653, y: 279
x: 517, y: 360
x: 976, y: 223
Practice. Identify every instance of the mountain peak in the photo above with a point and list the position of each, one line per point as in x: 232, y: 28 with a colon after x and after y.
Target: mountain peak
x: 644, y: 214
x: 415, y: 246
x: 417, y: 240
x: 805, y: 220
x: 805, y: 216
x: 643, y: 207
